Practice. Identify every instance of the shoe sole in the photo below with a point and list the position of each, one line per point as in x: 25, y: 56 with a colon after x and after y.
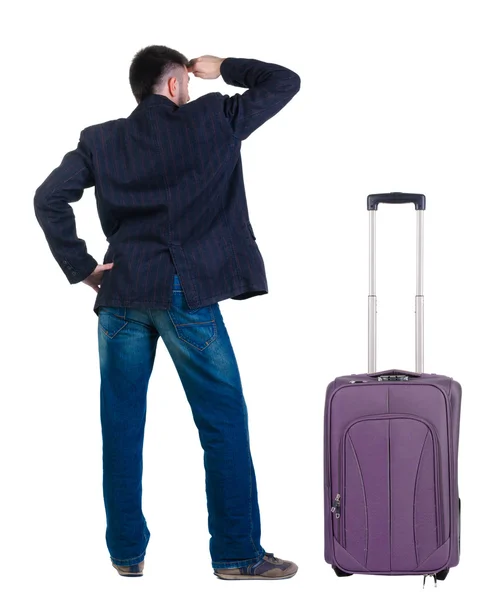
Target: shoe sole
x: 263, y: 577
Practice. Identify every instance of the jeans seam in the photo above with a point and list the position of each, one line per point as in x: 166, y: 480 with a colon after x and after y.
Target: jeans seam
x: 152, y: 319
x: 251, y: 487
x: 132, y: 558
x: 237, y: 564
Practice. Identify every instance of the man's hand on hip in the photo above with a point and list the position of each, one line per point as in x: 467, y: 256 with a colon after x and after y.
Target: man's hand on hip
x: 94, y: 280
x: 206, y: 67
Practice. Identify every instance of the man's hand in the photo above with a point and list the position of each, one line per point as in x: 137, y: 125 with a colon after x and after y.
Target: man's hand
x: 95, y: 279
x: 206, y: 67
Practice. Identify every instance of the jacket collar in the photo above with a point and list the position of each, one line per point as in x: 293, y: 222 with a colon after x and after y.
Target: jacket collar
x: 154, y: 100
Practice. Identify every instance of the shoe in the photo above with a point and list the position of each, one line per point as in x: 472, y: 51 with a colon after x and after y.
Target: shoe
x: 130, y: 570
x: 268, y: 567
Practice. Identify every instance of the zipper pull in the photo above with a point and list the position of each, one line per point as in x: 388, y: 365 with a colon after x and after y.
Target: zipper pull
x: 336, y: 508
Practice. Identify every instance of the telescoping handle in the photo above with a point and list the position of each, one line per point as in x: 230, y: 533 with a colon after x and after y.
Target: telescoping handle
x: 374, y: 200
x: 419, y: 202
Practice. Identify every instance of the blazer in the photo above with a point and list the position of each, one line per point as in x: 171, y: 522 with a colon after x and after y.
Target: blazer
x: 170, y: 195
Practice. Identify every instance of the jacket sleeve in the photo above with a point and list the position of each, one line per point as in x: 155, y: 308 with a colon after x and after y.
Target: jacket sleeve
x: 271, y: 87
x: 55, y: 215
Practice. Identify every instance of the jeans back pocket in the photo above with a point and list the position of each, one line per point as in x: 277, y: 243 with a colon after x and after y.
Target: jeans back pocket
x: 111, y: 320
x: 196, y: 327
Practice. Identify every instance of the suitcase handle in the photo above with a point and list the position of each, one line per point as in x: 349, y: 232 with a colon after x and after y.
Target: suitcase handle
x: 394, y: 372
x: 394, y: 375
x: 420, y: 203
x: 419, y: 200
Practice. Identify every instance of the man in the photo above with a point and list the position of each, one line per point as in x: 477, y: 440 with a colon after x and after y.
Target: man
x: 170, y: 196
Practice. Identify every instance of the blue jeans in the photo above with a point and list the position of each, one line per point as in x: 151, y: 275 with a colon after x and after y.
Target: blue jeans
x: 200, y: 348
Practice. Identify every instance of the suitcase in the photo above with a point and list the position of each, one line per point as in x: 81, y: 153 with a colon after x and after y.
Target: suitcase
x: 391, y: 440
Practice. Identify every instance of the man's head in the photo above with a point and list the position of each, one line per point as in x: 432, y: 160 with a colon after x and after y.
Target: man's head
x: 159, y: 70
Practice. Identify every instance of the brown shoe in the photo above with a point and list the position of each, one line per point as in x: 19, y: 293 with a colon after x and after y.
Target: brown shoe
x: 130, y: 570
x: 268, y: 567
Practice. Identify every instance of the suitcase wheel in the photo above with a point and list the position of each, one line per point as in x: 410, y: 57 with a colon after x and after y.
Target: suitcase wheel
x: 341, y: 573
x: 442, y: 575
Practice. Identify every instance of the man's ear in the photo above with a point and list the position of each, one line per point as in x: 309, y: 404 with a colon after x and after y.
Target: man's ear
x: 172, y: 85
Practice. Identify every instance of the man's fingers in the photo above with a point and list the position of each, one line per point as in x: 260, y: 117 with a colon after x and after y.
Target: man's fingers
x: 191, y: 64
x: 106, y: 266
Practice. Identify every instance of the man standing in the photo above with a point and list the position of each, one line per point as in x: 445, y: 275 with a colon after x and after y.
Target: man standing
x: 170, y: 196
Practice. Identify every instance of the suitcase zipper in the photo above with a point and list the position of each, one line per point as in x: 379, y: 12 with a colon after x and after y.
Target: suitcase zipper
x: 341, y: 525
x: 336, y: 508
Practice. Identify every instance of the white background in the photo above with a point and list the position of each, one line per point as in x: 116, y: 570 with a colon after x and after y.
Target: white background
x: 394, y: 97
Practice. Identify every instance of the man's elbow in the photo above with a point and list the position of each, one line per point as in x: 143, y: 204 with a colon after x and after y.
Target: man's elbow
x: 40, y: 203
x: 297, y: 82
x: 293, y: 83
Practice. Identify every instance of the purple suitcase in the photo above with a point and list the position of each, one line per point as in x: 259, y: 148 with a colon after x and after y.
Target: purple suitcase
x: 390, y: 455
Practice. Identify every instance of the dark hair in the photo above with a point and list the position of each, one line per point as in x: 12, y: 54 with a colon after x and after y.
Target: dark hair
x: 149, y: 66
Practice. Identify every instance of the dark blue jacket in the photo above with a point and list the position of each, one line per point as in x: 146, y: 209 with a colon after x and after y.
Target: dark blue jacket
x: 170, y: 194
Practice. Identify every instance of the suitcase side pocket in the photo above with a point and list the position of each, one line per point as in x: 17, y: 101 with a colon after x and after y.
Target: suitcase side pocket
x: 391, y: 516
